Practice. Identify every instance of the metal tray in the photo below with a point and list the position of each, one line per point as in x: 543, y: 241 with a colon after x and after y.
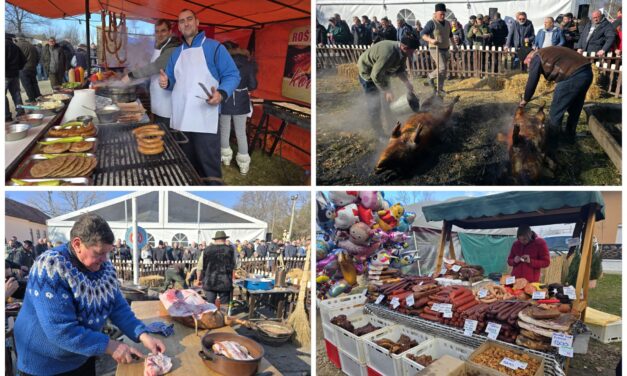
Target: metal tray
x: 37, y: 149
x: 57, y: 127
x: 64, y: 181
x: 23, y: 170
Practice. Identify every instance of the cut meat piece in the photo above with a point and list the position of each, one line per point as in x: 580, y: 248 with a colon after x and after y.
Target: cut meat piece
x: 561, y: 323
x: 231, y: 350
x: 156, y: 365
x: 536, y: 329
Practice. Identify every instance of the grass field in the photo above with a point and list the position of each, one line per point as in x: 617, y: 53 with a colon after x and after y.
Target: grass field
x: 607, y: 296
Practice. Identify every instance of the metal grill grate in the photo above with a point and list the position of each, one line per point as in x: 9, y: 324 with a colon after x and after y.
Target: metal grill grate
x: 119, y: 162
x: 552, y: 361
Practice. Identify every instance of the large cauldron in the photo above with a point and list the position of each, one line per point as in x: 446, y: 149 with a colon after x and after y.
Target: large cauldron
x: 118, y: 94
x: 226, y: 366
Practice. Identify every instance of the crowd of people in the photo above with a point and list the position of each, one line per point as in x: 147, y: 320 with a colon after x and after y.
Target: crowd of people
x: 596, y: 34
x: 29, y: 63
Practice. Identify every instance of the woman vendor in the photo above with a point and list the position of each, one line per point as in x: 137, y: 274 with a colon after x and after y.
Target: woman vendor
x: 72, y: 291
x: 529, y: 254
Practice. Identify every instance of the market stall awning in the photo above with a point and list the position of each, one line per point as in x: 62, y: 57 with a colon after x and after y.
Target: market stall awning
x: 226, y: 15
x: 512, y: 209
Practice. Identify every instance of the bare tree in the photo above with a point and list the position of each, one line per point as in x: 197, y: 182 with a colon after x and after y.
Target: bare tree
x: 274, y: 208
x: 19, y: 21
x: 63, y: 203
x: 72, y: 33
x: 411, y: 197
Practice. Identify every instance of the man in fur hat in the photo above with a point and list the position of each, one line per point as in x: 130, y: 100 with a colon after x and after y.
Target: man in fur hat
x: 438, y: 33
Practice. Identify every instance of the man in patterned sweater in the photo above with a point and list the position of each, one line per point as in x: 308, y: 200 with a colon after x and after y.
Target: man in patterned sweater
x: 72, y: 290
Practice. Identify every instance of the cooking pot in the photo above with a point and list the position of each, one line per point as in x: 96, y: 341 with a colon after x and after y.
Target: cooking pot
x: 226, y: 366
x: 120, y: 94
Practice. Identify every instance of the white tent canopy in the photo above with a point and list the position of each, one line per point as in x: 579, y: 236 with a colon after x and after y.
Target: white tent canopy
x: 536, y: 10
x: 168, y: 216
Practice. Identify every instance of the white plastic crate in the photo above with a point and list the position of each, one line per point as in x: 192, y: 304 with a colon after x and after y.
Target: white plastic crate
x: 437, y: 348
x: 328, y: 305
x: 352, y: 344
x: 379, y: 358
x: 609, y: 333
x: 351, y: 366
x: 329, y: 332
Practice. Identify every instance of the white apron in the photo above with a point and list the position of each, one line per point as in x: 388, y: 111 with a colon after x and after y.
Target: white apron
x: 160, y: 99
x: 191, y: 114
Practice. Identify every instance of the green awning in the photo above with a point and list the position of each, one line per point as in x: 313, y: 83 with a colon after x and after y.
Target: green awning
x: 512, y: 209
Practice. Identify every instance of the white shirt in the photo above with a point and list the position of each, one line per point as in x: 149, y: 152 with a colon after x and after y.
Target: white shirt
x: 548, y: 38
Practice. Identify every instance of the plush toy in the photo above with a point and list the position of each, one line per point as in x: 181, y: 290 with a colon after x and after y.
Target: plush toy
x: 382, y: 258
x: 404, y: 224
x: 339, y: 288
x: 322, y: 264
x: 405, y: 258
x: 322, y: 249
x: 360, y: 233
x: 343, y: 198
x: 388, y: 219
x: 346, y: 217
x: 347, y: 267
x: 365, y: 215
x: 359, y: 252
x: 325, y: 213
x: 369, y: 199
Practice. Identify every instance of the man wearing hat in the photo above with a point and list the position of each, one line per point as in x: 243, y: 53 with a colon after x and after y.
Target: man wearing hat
x: 218, y: 263
x: 438, y: 33
x: 381, y: 61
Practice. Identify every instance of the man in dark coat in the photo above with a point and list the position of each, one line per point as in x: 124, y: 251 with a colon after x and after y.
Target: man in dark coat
x: 499, y: 31
x: 14, y: 61
x: 24, y: 256
x: 598, y: 36
x: 158, y: 253
x: 570, y: 31
x: 403, y: 28
x: 80, y: 58
x: 386, y: 32
x: 217, y: 270
x: 55, y: 62
x: 262, y: 249
x: 28, y: 74
x: 290, y: 250
x: 522, y: 34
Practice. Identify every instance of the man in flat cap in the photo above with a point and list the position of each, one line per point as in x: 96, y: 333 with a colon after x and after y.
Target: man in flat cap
x: 381, y: 61
x: 438, y: 34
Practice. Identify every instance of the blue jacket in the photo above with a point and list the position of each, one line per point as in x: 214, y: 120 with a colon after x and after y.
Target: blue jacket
x: 218, y: 60
x: 404, y: 29
x: 557, y: 38
x: 65, y: 308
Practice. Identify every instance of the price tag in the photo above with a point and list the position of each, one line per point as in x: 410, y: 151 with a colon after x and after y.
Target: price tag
x: 456, y: 268
x: 410, y: 300
x: 436, y: 307
x: 443, y: 271
x: 482, y: 293
x: 566, y: 351
x: 365, y: 292
x: 570, y: 291
x: 493, y: 330
x: 538, y: 295
x: 379, y: 299
x: 469, y: 327
x: 395, y: 303
x: 510, y: 363
x: 443, y: 307
x: 510, y: 280
x: 522, y: 365
x: 421, y: 283
x: 448, y: 314
x: 562, y: 340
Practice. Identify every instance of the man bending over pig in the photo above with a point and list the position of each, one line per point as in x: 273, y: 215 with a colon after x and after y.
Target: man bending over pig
x: 381, y: 61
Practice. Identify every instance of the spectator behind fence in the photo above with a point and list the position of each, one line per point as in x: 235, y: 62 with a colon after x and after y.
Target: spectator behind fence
x: 522, y: 34
x: 618, y: 29
x: 549, y: 36
x: 158, y: 253
x: 321, y: 34
x: 479, y: 34
x: 368, y: 25
x: 569, y: 30
x: 403, y: 28
x: 339, y: 31
x: 499, y: 31
x: 597, y: 36
x: 386, y: 32
x: 458, y: 33
x: 471, y: 21
x: 358, y: 30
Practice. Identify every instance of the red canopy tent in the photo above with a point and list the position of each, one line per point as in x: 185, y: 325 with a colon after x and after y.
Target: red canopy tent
x: 270, y: 21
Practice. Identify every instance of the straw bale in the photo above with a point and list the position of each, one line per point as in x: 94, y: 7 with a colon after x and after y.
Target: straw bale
x: 151, y: 281
x: 348, y: 71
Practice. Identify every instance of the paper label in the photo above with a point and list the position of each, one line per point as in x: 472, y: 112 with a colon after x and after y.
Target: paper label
x: 448, y: 314
x: 493, y: 330
x: 570, y: 291
x: 510, y: 363
x: 441, y: 307
x: 539, y: 295
x: 510, y: 280
x: 566, y: 351
x: 456, y: 268
x: 379, y: 299
x: 365, y: 292
x: 521, y: 365
x: 421, y: 283
x: 443, y: 271
x: 482, y: 293
x: 395, y: 303
x: 562, y: 340
x: 469, y: 327
x: 410, y: 300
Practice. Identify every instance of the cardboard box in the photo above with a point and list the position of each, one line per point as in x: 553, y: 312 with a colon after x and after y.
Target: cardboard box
x: 445, y: 366
x: 493, y: 372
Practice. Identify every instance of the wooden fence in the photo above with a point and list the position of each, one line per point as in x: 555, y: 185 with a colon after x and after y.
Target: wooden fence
x: 470, y: 62
x: 262, y: 265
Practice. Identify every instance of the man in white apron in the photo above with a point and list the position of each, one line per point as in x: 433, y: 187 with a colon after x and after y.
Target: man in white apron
x: 160, y: 100
x: 199, y: 60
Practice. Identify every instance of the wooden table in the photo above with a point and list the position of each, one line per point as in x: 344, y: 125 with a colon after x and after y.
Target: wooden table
x: 182, y: 346
x: 253, y: 295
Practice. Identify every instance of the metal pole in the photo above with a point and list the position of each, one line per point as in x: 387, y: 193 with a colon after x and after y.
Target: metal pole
x: 135, y: 248
x: 87, y: 37
x: 289, y: 233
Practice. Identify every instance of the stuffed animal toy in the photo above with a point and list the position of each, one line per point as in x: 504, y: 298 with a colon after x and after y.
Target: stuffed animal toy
x: 359, y: 252
x: 325, y: 213
x: 404, y: 224
x: 346, y: 217
x: 382, y: 258
x: 360, y: 233
x: 322, y: 249
x: 369, y: 199
x: 365, y: 215
x: 388, y: 219
x: 343, y: 198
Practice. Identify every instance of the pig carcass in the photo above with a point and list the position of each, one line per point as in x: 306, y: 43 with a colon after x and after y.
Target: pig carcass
x: 527, y: 151
x: 415, y: 136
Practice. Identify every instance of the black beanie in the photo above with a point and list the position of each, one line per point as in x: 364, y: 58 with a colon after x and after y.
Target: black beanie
x: 440, y: 7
